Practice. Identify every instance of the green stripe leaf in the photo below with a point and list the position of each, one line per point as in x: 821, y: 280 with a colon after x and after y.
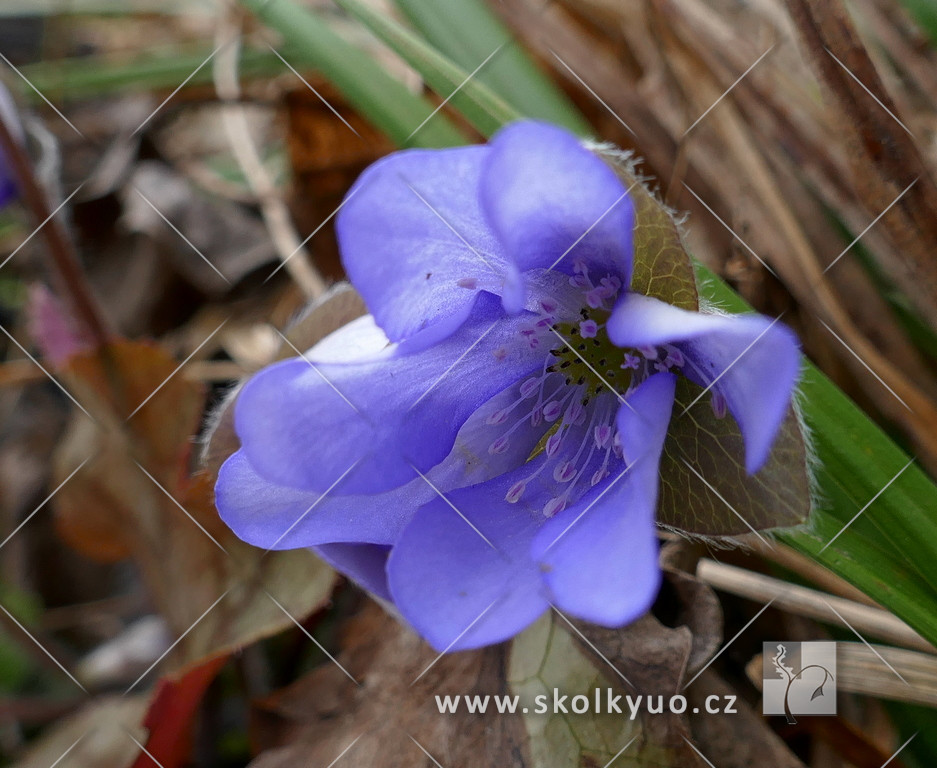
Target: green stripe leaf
x: 381, y: 98
x: 478, y: 104
x: 83, y: 77
x: 468, y: 32
x: 925, y: 12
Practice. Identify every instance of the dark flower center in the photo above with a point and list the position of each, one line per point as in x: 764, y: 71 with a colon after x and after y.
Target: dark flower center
x: 572, y: 403
x: 588, y: 357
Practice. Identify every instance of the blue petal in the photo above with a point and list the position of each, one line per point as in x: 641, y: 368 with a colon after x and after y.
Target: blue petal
x: 368, y: 427
x: 415, y: 243
x: 365, y: 564
x: 278, y: 517
x: 599, y: 557
x: 462, y: 588
x: 551, y: 201
x: 753, y: 360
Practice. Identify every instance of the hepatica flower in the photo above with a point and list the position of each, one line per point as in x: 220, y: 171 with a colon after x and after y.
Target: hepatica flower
x: 485, y: 444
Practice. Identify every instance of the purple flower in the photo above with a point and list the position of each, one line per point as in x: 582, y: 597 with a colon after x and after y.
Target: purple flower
x: 486, y: 443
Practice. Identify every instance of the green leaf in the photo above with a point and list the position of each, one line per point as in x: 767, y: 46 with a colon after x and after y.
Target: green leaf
x: 919, y: 724
x: 468, y: 32
x: 17, y: 666
x: 701, y: 447
x: 82, y: 77
x: 662, y: 265
x: 380, y: 97
x: 925, y: 12
x: 477, y: 103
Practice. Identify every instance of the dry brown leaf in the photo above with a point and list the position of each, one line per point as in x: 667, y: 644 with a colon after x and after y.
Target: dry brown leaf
x: 139, y: 451
x: 551, y: 657
x: 885, y: 156
x: 743, y: 740
x: 101, y: 734
x: 389, y: 717
x: 225, y: 242
x: 326, y: 157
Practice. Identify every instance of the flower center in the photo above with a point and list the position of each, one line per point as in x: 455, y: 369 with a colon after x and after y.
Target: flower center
x: 588, y: 358
x: 571, y: 406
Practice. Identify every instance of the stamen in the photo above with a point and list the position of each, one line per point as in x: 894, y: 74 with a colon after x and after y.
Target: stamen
x: 554, y: 505
x: 515, y: 492
x: 674, y: 357
x: 564, y: 472
x: 530, y: 387
x: 588, y: 329
x: 583, y: 438
x: 650, y: 353
x: 719, y: 405
x: 603, y: 434
x: 498, y: 417
x: 595, y: 297
x: 552, y: 410
x: 554, y: 442
x: 575, y: 414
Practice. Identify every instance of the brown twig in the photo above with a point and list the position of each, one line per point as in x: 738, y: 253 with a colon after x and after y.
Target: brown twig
x: 802, y: 601
x: 292, y: 251
x: 63, y: 259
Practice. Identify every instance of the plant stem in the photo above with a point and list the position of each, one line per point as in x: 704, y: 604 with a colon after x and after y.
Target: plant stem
x: 66, y: 268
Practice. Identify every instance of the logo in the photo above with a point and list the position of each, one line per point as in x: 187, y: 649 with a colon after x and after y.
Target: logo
x: 799, y: 679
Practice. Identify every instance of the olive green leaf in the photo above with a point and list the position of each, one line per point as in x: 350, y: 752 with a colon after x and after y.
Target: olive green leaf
x: 662, y: 266
x: 704, y: 488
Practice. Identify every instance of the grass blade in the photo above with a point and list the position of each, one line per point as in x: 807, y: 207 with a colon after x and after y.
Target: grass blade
x: 377, y: 95
x: 925, y: 12
x: 476, y: 102
x: 467, y: 31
